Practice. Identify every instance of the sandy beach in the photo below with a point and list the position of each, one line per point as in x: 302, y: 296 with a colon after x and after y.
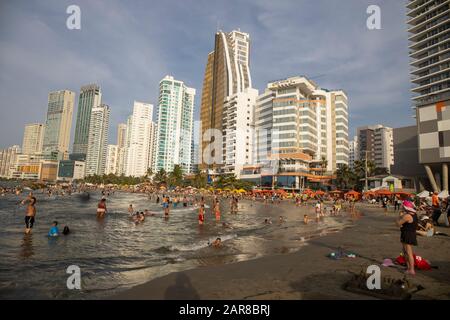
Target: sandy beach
x: 309, y: 273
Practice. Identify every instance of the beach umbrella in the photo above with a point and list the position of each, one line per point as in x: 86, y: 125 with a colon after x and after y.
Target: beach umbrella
x: 383, y: 192
x: 424, y: 194
x: 443, y: 194
x: 319, y: 193
x: 403, y: 194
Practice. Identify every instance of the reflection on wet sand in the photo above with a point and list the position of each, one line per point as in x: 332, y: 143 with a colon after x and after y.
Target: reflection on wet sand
x: 26, y: 246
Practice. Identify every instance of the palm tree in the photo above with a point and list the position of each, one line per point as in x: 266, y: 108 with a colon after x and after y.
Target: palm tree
x: 176, y: 176
x: 160, y: 177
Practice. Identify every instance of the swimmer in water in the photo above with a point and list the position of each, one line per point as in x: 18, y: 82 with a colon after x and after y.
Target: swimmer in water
x: 54, y: 232
x: 201, y: 214
x: 305, y: 219
x: 217, y: 243
x: 267, y: 221
x: 166, y: 207
x: 101, y: 208
x: 31, y: 212
x: 130, y: 210
x: 281, y: 219
x: 217, y: 210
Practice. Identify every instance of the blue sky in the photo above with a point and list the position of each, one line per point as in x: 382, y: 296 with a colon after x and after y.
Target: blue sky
x: 127, y: 47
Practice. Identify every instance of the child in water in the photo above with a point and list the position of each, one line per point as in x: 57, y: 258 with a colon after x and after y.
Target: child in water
x: 54, y: 232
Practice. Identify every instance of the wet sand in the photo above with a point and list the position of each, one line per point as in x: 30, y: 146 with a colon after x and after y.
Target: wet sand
x: 309, y: 273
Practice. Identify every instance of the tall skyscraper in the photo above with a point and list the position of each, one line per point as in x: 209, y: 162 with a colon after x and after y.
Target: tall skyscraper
x: 138, y: 139
x: 353, y: 152
x: 121, y: 135
x: 112, y: 159
x: 238, y: 129
x: 59, y: 122
x: 8, y: 159
x: 227, y: 73
x: 296, y: 117
x: 153, y: 145
x: 33, y: 138
x: 97, y: 140
x: 121, y: 148
x: 377, y: 144
x: 90, y: 97
x: 175, y: 125
x: 429, y: 28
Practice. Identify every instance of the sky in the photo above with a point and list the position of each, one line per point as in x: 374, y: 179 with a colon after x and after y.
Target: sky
x: 127, y: 47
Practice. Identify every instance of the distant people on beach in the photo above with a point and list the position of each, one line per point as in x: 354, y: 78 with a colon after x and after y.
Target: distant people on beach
x: 425, y: 227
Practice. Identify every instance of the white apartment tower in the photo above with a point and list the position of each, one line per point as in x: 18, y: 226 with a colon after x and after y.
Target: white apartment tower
x: 174, y: 126
x: 33, y: 138
x: 59, y: 122
x: 121, y: 147
x: 353, y: 152
x: 98, y: 140
x: 238, y: 129
x: 112, y: 159
x: 294, y: 116
x: 138, y: 140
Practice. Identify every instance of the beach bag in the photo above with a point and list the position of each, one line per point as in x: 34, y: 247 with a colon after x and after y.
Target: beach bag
x: 419, y: 262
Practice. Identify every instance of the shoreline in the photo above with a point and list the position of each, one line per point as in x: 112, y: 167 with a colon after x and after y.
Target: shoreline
x: 308, y: 273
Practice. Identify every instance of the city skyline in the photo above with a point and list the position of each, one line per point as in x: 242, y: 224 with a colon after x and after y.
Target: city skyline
x: 370, y: 65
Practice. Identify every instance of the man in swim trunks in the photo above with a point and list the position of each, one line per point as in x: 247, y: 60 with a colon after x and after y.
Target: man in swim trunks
x: 31, y: 212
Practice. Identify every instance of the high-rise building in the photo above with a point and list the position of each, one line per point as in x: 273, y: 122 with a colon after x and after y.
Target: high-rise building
x: 353, y: 152
x: 153, y: 145
x: 138, y: 140
x: 8, y: 159
x: 175, y: 125
x: 121, y: 148
x: 33, y: 138
x: 429, y: 51
x: 112, y: 159
x: 238, y: 130
x: 227, y: 73
x: 59, y: 123
x: 121, y: 135
x: 376, y: 143
x: 295, y: 117
x: 90, y: 97
x: 97, y: 140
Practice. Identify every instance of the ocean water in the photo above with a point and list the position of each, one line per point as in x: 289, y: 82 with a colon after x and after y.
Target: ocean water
x: 114, y: 253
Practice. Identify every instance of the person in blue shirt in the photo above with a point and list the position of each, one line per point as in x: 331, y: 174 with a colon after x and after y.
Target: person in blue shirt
x: 54, y: 232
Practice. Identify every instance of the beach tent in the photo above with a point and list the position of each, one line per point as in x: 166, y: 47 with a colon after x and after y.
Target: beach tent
x: 443, y: 194
x: 424, y: 194
x: 353, y: 194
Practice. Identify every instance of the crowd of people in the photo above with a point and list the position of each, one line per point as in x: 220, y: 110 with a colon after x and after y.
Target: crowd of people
x: 417, y: 216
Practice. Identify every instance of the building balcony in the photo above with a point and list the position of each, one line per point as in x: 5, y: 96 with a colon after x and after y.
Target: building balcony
x: 415, y: 45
